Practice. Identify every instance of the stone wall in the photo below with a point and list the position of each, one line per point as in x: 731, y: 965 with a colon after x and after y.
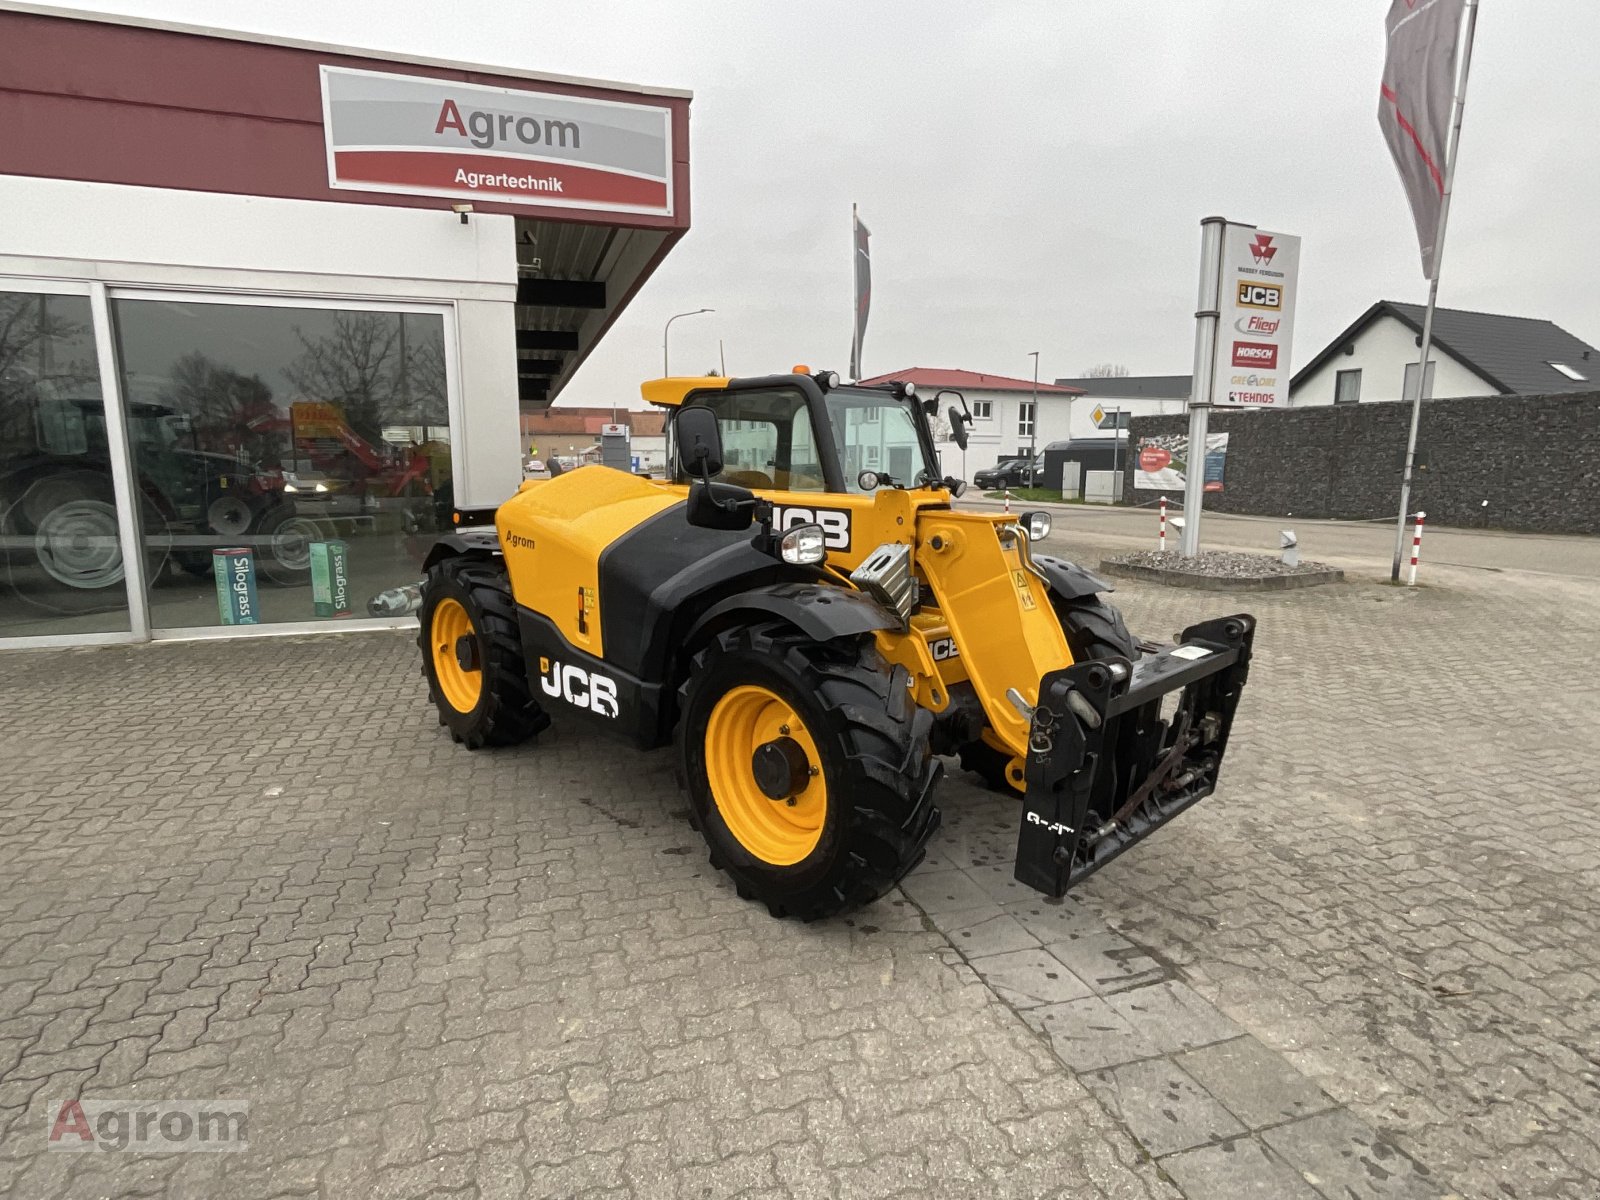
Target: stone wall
x: 1529, y: 463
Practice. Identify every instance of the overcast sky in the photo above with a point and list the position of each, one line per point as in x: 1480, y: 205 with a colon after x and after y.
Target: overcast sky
x: 1034, y: 174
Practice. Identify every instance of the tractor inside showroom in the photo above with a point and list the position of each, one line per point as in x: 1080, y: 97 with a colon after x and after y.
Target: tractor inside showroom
x: 804, y: 612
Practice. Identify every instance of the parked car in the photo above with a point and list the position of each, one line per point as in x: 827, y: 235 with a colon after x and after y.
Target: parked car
x: 1010, y: 472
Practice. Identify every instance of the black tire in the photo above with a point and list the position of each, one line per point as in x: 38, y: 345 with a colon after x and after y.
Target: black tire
x: 282, y: 540
x: 876, y: 764
x: 1095, y: 630
x: 505, y: 712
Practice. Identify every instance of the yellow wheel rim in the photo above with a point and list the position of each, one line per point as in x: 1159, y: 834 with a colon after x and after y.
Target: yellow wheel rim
x: 779, y: 832
x: 462, y: 688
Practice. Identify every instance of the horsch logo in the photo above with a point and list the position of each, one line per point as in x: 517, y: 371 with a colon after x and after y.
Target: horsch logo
x: 1255, y: 354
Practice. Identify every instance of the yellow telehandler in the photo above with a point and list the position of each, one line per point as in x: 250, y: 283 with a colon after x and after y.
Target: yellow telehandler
x: 805, y: 613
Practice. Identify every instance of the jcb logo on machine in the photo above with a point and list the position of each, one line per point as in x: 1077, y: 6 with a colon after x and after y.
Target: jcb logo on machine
x: 835, y: 523
x: 583, y: 689
x: 943, y: 648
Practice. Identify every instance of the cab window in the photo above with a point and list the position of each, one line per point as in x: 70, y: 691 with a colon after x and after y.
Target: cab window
x: 767, y: 440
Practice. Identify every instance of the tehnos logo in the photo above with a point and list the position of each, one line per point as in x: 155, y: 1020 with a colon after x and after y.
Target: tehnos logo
x: 1255, y: 354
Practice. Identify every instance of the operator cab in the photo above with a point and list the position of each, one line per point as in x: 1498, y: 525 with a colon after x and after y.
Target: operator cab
x: 805, y: 432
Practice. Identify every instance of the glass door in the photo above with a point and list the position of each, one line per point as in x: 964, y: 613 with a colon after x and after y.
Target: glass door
x: 62, y: 573
x: 294, y: 457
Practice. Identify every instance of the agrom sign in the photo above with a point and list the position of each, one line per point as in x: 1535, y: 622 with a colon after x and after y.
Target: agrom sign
x: 435, y: 137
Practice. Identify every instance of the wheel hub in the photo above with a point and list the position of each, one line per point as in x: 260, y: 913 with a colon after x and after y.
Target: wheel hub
x: 781, y: 768
x: 467, y: 653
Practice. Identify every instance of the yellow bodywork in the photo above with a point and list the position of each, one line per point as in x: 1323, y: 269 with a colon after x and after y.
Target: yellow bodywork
x: 985, y: 616
x: 552, y: 536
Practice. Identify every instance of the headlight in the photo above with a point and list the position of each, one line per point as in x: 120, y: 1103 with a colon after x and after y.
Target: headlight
x: 803, y: 545
x: 1036, y: 525
x: 290, y: 489
x: 322, y: 487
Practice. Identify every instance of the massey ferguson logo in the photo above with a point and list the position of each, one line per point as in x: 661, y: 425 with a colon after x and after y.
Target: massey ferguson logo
x: 1260, y: 295
x: 1261, y: 326
x: 1255, y: 354
x: 1262, y: 249
x: 580, y: 688
x: 835, y: 523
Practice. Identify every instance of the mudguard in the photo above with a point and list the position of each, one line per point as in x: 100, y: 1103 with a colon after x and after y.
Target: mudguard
x: 1067, y: 579
x: 821, y: 611
x: 481, y: 540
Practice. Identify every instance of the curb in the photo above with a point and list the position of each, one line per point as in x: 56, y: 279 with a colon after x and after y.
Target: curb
x: 1172, y: 577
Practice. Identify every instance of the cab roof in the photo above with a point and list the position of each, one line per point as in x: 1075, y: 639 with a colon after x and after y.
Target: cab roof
x: 672, y: 390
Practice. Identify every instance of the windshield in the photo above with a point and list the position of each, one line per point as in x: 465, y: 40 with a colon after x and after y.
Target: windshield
x: 873, y: 431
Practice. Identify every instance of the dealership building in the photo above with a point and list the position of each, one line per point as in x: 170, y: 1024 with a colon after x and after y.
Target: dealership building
x: 269, y: 310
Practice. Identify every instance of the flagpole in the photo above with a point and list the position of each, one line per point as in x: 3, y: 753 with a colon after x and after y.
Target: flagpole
x: 1459, y: 107
x: 855, y: 309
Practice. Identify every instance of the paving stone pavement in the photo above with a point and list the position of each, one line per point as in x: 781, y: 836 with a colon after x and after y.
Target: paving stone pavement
x: 1367, y: 968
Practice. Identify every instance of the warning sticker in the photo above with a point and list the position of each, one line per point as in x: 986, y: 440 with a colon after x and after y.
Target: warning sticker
x: 1190, y: 652
x: 1020, y: 578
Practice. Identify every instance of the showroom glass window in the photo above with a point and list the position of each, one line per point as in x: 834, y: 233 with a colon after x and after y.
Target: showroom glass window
x: 61, y: 568
x: 294, y: 462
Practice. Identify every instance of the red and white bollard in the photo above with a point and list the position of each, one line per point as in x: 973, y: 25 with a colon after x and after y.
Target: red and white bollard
x: 1008, y: 497
x: 1161, y: 538
x: 1416, y: 549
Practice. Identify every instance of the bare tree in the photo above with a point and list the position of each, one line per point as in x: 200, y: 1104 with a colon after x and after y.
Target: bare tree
x: 1106, y: 370
x: 357, y: 367
x: 230, y: 410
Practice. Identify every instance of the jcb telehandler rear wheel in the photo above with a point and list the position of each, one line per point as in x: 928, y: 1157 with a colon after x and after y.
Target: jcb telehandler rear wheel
x: 1094, y: 630
x: 808, y: 768
x: 472, y: 655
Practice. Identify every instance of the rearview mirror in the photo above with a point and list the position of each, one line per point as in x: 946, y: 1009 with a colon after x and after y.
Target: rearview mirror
x: 699, y: 442
x: 958, y: 427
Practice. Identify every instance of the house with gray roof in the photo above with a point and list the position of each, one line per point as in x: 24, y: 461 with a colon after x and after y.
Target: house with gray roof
x: 1474, y: 354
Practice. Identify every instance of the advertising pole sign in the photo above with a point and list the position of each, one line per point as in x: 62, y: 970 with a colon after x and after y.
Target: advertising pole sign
x: 438, y: 137
x: 1260, y: 281
x: 1243, y: 319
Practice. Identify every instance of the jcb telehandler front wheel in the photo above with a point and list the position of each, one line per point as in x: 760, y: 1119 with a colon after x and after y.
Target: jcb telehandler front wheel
x: 472, y: 655
x: 808, y: 768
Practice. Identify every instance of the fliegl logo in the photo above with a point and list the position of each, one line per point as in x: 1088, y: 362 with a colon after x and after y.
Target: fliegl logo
x: 1260, y: 326
x: 835, y: 523
x: 579, y: 688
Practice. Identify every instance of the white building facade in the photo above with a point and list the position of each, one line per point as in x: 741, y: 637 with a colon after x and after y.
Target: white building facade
x: 1009, y: 419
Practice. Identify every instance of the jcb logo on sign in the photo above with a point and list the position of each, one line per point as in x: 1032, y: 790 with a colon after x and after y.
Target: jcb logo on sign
x: 1260, y: 295
x: 580, y: 688
x: 835, y: 523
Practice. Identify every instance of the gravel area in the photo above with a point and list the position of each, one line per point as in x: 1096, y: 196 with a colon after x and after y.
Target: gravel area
x: 1221, y: 564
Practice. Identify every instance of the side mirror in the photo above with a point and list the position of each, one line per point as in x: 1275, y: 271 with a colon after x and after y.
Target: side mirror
x: 699, y: 442
x: 958, y: 426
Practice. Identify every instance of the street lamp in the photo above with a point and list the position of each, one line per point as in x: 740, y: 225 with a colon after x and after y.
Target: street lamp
x: 666, y: 368
x: 1033, y: 425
